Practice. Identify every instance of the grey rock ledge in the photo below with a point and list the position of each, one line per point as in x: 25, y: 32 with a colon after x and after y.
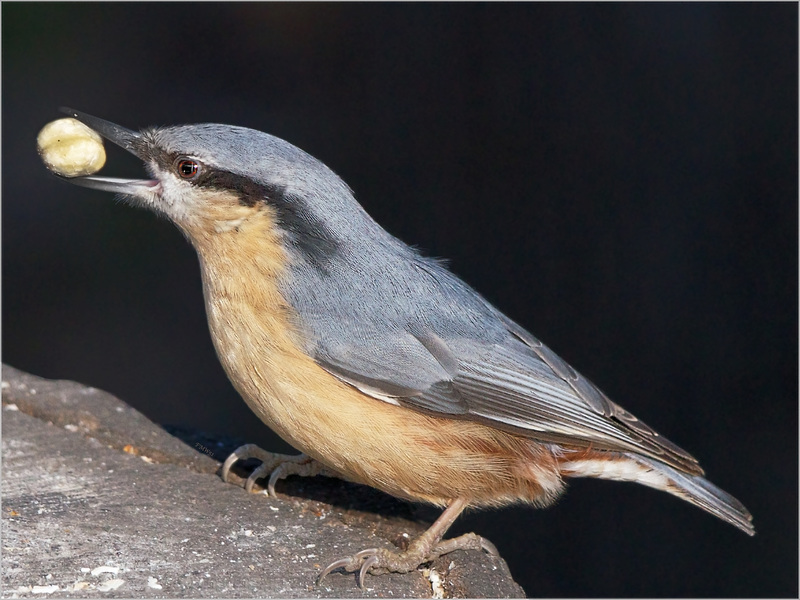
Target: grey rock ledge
x: 98, y: 501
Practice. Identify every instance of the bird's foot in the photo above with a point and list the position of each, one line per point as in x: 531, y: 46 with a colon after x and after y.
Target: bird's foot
x: 377, y: 561
x: 275, y: 466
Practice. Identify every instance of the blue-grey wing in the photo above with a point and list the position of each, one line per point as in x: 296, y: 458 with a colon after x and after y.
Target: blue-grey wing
x: 397, y: 367
x: 510, y: 386
x: 434, y: 345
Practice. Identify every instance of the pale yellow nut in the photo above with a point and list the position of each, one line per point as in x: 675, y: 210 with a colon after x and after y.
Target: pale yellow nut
x: 69, y: 148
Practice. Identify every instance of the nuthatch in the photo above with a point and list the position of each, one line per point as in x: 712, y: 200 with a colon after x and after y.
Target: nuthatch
x: 376, y: 362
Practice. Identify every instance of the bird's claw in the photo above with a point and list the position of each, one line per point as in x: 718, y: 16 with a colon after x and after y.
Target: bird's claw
x: 362, y: 561
x: 376, y: 561
x: 468, y: 541
x: 276, y: 466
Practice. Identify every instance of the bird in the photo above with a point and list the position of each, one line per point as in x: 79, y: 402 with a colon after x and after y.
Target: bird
x: 376, y: 362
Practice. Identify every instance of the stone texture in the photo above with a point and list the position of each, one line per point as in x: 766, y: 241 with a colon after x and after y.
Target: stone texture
x: 99, y: 501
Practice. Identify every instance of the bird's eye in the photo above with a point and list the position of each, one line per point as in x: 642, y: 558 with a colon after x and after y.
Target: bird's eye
x: 187, y: 168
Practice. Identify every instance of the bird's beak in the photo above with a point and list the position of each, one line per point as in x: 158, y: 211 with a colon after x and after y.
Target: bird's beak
x: 124, y: 138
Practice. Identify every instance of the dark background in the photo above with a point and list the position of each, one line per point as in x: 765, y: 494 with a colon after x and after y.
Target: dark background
x: 620, y: 178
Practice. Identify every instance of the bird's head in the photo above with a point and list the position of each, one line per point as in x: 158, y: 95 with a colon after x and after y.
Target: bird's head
x: 216, y: 180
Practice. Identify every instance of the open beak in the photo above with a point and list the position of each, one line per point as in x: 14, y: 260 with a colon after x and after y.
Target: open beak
x: 124, y: 138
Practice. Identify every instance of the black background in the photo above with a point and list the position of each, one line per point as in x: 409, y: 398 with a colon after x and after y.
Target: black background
x: 620, y: 179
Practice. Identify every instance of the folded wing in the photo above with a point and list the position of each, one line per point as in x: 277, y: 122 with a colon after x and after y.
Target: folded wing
x: 516, y: 384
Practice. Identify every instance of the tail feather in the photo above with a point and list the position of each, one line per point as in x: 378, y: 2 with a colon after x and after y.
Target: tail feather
x: 701, y: 492
x: 693, y: 488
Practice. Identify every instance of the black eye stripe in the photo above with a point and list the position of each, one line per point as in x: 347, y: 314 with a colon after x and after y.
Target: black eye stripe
x: 249, y: 191
x: 304, y: 230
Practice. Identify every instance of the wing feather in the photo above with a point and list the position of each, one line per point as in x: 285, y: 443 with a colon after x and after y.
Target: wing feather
x: 517, y: 384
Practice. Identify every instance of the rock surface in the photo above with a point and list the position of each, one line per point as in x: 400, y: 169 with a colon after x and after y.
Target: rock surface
x: 100, y: 502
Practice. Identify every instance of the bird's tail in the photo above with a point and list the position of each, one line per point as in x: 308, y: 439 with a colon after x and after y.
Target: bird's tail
x: 652, y: 473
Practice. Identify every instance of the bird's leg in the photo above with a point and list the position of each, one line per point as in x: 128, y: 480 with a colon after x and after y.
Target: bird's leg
x: 276, y: 466
x: 425, y: 548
